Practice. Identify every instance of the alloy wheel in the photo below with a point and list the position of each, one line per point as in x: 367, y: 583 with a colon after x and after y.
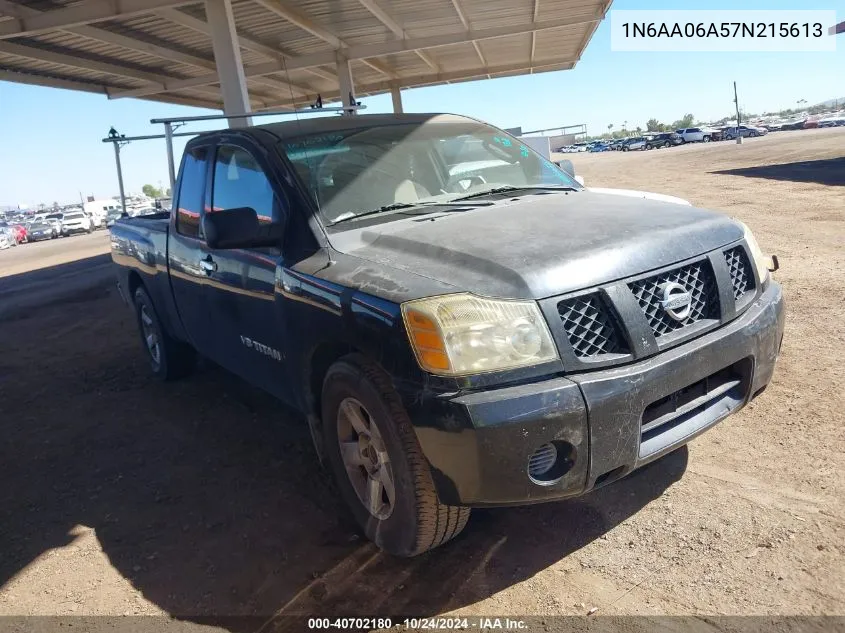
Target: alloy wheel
x: 150, y: 335
x: 365, y: 458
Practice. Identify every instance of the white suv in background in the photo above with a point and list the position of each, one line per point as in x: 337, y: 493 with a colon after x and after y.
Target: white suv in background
x: 76, y: 222
x: 693, y: 135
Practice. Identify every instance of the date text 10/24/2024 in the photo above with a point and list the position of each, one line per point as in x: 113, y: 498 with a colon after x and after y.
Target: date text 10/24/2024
x: 420, y: 624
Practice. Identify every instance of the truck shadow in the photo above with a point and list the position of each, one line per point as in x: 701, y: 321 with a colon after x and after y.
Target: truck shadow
x: 829, y: 171
x: 206, y: 495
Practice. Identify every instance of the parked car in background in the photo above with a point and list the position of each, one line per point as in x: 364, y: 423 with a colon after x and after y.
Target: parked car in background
x: 162, y: 204
x: 20, y: 232
x: 42, y: 230
x: 666, y: 139
x: 715, y: 134
x: 7, y: 236
x: 691, y: 135
x: 635, y: 143
x: 835, y: 120
x: 744, y: 131
x: 793, y: 125
x: 98, y: 210
x: 76, y: 222
x: 599, y: 147
x: 56, y: 220
x: 113, y: 215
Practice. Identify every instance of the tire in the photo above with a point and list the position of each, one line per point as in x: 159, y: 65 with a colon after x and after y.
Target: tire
x: 624, y: 149
x: 173, y: 359
x: 415, y: 521
x: 706, y: 139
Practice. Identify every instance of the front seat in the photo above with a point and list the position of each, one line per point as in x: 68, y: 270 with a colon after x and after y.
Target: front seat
x: 409, y: 192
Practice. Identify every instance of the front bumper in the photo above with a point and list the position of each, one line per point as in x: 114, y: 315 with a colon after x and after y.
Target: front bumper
x: 478, y: 444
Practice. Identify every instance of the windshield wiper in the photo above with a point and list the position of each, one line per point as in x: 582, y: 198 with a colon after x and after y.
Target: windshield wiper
x: 506, y: 188
x: 388, y: 207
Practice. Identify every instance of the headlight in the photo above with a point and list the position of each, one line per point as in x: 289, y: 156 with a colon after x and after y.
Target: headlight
x: 761, y: 262
x: 459, y: 334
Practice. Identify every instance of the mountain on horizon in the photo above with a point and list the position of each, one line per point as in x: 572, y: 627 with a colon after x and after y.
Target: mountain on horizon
x: 831, y: 102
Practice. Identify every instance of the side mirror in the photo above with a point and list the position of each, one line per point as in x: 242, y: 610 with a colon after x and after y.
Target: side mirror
x: 238, y: 228
x: 567, y: 166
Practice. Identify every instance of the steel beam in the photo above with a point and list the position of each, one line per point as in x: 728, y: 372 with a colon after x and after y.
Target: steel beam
x: 376, y: 50
x: 396, y: 96
x: 547, y: 65
x: 250, y: 44
x: 227, y: 56
x: 346, y: 87
x: 51, y: 82
x: 383, y: 16
x: 297, y: 17
x: 119, y: 176
x: 84, y: 12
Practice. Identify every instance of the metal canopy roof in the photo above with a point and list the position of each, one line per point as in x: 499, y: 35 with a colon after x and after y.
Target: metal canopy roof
x: 162, y: 49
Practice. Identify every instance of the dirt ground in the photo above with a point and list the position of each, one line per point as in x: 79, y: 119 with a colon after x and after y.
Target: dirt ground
x: 124, y: 496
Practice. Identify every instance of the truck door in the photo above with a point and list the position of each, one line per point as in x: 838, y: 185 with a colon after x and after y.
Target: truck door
x: 247, y: 319
x: 186, y: 252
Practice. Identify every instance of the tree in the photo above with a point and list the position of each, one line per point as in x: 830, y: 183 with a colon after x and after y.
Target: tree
x: 151, y: 192
x: 639, y: 131
x: 653, y: 125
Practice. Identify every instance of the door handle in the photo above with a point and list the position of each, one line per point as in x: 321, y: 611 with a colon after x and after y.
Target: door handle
x: 208, y: 265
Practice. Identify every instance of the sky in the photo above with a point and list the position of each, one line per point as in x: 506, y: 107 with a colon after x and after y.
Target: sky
x: 51, y: 139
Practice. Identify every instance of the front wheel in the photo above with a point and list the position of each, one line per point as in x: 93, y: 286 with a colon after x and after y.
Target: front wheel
x: 169, y: 359
x: 377, y: 461
x: 706, y: 139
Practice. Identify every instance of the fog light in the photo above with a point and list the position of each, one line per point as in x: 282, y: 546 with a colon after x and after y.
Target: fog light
x: 550, y: 462
x: 542, y: 461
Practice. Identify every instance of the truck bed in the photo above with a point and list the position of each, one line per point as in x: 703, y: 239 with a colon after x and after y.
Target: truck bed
x: 139, y: 246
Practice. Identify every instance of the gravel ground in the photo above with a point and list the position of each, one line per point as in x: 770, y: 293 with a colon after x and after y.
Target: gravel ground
x: 123, y: 496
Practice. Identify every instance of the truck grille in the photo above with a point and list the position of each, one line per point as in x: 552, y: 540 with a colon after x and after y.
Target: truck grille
x: 589, y: 327
x: 739, y: 267
x: 698, y: 280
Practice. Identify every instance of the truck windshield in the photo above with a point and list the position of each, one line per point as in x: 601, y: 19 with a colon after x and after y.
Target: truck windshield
x: 357, y: 171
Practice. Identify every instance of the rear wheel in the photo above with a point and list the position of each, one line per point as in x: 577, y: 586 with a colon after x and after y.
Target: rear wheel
x: 706, y: 139
x: 378, y: 463
x: 169, y: 359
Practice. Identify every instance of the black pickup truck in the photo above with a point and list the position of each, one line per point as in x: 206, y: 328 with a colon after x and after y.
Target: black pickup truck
x: 459, y: 320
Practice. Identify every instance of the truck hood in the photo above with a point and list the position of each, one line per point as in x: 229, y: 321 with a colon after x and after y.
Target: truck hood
x: 541, y: 245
